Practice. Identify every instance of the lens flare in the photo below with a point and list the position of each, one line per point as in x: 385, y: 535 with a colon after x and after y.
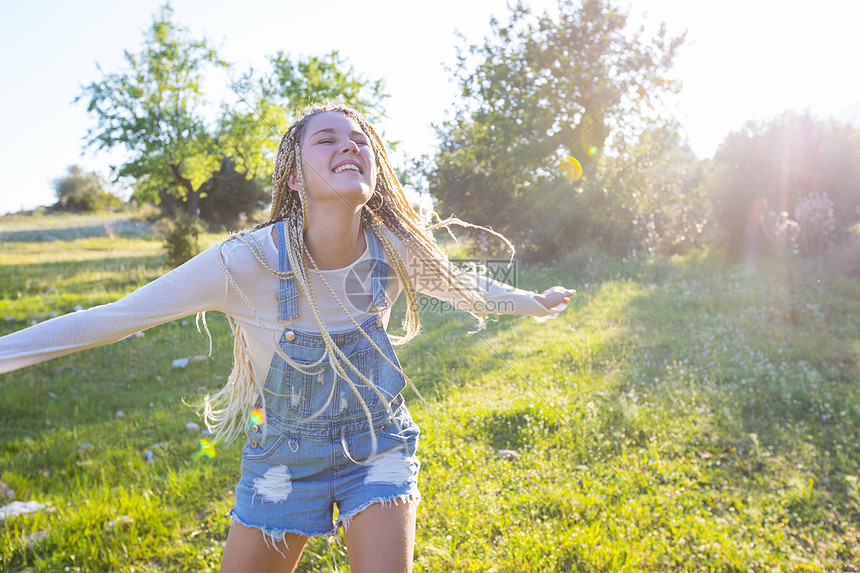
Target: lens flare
x: 571, y: 169
x: 257, y: 417
x: 207, y: 450
x: 592, y: 150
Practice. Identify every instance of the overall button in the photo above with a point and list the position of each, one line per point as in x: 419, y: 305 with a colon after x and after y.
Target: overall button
x: 290, y: 336
x: 377, y: 323
x: 255, y: 428
x: 254, y: 444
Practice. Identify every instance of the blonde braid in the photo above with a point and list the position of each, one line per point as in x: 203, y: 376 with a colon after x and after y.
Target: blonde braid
x: 281, y: 196
x: 412, y: 319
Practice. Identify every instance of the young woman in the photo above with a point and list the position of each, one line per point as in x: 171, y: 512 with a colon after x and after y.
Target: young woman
x: 316, y: 386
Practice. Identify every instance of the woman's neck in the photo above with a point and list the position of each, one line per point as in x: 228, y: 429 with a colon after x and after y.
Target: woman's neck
x: 335, y: 242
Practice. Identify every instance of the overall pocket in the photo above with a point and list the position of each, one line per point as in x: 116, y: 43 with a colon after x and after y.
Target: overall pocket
x: 318, y: 396
x: 286, y: 388
x: 399, y: 435
x: 258, y: 449
x: 349, y: 404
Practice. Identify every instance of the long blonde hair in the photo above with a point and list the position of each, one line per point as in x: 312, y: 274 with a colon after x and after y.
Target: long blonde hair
x: 388, y: 209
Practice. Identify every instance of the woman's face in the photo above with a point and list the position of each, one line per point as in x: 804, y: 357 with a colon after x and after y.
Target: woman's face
x: 338, y: 164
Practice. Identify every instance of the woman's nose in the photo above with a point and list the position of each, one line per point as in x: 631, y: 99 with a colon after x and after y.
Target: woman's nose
x: 350, y: 147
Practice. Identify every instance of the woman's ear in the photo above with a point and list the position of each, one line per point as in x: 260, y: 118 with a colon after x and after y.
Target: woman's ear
x: 293, y: 180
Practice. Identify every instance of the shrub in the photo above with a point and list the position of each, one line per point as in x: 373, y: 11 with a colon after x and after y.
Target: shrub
x: 230, y: 196
x: 83, y: 192
x: 180, y: 236
x: 810, y: 232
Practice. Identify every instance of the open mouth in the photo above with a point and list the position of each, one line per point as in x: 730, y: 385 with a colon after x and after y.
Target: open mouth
x: 347, y: 167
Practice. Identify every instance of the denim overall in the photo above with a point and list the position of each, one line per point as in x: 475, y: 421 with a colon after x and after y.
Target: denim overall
x: 310, y: 444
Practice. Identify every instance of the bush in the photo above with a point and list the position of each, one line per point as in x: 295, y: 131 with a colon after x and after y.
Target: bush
x: 227, y: 200
x: 83, y: 192
x: 181, y: 236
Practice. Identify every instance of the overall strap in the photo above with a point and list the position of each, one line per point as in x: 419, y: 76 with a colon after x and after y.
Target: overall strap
x: 379, y: 271
x: 287, y: 291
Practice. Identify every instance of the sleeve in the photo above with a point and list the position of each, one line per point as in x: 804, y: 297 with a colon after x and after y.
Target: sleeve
x: 196, y: 286
x: 501, y: 298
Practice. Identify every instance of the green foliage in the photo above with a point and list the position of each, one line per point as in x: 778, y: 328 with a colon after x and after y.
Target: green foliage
x: 226, y: 199
x: 770, y: 177
x: 299, y: 83
x: 231, y: 196
x: 654, y: 191
x: 685, y: 414
x: 536, y: 89
x: 181, y: 238
x: 83, y: 192
x: 644, y: 199
x: 153, y: 111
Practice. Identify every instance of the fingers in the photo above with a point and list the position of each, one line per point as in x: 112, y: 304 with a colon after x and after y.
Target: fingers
x: 556, y: 295
x: 565, y: 293
x: 562, y: 290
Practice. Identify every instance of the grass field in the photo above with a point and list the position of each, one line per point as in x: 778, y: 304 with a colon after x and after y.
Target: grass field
x: 684, y: 414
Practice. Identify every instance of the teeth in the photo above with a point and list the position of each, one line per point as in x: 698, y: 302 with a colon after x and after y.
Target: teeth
x: 345, y: 167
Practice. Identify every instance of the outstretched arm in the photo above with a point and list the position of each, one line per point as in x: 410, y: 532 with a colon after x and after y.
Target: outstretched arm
x: 196, y: 286
x: 501, y: 298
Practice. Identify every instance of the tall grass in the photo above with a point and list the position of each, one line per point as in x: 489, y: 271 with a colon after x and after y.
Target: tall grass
x: 685, y: 414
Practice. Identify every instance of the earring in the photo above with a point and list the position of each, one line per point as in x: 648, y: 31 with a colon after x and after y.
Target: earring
x: 381, y: 201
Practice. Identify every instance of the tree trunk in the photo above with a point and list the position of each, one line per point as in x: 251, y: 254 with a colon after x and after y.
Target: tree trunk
x: 192, y: 204
x: 192, y: 197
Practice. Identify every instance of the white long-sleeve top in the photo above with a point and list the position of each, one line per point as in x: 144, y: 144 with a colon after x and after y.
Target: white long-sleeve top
x: 201, y: 285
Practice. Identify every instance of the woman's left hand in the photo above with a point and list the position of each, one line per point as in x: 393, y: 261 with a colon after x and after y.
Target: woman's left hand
x: 555, y: 296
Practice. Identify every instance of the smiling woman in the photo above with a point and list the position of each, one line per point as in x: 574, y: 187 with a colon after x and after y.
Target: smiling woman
x: 337, y: 162
x: 339, y: 173
x: 316, y: 388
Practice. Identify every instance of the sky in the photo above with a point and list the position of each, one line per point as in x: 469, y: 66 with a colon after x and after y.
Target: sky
x: 742, y: 60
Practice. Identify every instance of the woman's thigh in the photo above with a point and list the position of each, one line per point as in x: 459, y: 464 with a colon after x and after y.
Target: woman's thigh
x: 247, y: 550
x: 381, y: 539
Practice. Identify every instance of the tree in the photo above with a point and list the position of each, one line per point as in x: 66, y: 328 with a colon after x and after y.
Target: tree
x: 330, y: 78
x: 654, y: 190
x: 646, y: 197
x: 79, y: 191
x: 793, y: 169
x: 230, y: 195
x: 539, y: 87
x: 154, y: 110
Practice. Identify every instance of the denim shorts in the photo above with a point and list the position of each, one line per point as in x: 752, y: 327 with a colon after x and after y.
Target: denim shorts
x: 293, y: 485
x: 312, y: 446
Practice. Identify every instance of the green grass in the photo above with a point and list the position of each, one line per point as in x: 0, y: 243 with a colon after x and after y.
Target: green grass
x: 684, y: 414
